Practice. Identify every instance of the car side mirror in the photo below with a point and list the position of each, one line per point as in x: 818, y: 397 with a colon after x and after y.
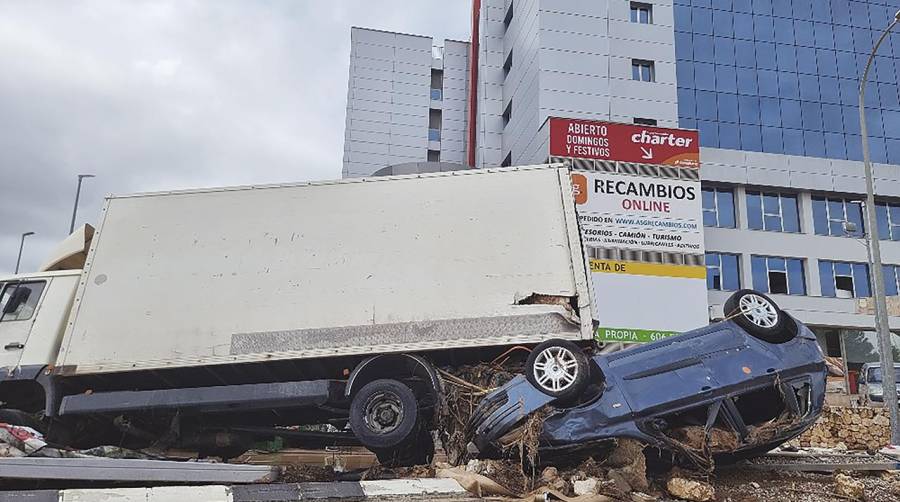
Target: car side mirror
x: 19, y: 296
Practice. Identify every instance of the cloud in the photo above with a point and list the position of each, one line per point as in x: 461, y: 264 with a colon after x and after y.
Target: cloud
x: 166, y: 95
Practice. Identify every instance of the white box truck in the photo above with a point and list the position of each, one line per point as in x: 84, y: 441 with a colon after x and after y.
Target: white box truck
x: 201, y: 311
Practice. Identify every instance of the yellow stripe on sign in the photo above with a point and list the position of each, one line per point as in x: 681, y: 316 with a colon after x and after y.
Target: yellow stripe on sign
x: 656, y: 269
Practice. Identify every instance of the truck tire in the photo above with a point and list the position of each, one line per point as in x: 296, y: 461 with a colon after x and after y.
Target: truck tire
x: 384, y: 415
x: 759, y: 316
x: 558, y: 368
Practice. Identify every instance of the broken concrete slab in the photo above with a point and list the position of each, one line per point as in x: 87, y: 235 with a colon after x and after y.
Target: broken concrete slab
x: 106, y: 469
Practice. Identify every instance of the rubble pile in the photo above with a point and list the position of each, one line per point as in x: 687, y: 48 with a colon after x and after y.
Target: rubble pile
x: 846, y: 428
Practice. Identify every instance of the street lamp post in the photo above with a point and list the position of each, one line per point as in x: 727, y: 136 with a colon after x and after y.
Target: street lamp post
x: 77, y: 195
x: 21, y: 245
x: 882, y: 326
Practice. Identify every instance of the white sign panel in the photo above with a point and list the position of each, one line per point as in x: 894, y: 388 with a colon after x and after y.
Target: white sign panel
x: 636, y: 212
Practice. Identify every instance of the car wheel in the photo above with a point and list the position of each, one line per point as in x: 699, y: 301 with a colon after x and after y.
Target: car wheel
x: 384, y: 415
x: 759, y: 316
x: 558, y: 368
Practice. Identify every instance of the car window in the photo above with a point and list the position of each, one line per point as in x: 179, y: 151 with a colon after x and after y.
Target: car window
x: 26, y: 308
x: 875, y: 375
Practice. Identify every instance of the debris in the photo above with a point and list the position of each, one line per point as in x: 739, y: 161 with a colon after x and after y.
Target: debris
x: 849, y: 487
x: 465, y: 387
x: 694, y: 436
x: 585, y: 486
x: 300, y: 473
x: 23, y: 439
x: 630, y: 464
x: 690, y: 489
x: 474, y: 483
x: 550, y: 478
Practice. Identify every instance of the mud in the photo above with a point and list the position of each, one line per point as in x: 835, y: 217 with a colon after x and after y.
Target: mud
x: 301, y: 473
x: 720, y: 440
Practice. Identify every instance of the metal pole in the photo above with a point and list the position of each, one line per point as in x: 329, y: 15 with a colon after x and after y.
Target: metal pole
x: 77, y: 195
x: 882, y: 326
x: 21, y: 245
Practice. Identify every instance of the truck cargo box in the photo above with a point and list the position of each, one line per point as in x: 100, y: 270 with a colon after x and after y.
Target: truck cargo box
x: 361, y: 266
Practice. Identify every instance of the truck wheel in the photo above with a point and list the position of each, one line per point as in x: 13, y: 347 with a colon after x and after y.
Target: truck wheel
x: 759, y: 316
x: 384, y: 414
x: 558, y: 368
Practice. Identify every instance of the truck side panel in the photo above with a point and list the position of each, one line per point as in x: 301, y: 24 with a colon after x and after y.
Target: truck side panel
x: 353, y: 267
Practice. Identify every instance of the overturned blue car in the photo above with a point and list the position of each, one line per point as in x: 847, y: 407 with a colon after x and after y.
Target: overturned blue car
x: 731, y: 390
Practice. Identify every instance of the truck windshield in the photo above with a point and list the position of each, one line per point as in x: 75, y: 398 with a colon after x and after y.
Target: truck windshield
x: 875, y: 375
x: 26, y: 308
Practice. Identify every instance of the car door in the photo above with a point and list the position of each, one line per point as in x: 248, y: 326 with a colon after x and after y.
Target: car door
x: 18, y: 308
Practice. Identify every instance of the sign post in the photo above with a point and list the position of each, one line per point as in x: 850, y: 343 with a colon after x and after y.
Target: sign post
x: 637, y: 191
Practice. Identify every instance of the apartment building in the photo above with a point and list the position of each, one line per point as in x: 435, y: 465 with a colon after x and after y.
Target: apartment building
x: 770, y: 85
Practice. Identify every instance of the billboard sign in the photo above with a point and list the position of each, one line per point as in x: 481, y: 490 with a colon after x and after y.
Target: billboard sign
x: 642, y: 227
x: 590, y: 139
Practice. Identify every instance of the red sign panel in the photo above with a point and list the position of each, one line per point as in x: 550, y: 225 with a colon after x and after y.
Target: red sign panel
x: 590, y: 139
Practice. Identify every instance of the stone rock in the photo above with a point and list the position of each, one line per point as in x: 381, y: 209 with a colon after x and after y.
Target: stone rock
x: 849, y: 487
x: 642, y: 497
x: 755, y: 485
x: 840, y: 446
x: 691, y: 489
x: 622, y: 484
x: 550, y: 478
x: 549, y: 474
x: 585, y: 486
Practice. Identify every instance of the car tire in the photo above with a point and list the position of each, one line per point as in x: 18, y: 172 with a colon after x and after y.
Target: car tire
x: 759, y: 316
x: 384, y: 415
x: 558, y: 368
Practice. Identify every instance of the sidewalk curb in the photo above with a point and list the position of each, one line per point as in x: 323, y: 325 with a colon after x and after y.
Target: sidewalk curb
x: 343, y: 490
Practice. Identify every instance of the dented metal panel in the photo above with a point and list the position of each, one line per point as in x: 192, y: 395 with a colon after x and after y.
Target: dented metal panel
x: 307, y: 270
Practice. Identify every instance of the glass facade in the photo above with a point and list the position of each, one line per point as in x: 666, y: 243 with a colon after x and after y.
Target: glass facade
x: 781, y: 76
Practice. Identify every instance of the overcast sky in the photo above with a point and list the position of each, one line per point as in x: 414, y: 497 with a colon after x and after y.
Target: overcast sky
x: 179, y: 94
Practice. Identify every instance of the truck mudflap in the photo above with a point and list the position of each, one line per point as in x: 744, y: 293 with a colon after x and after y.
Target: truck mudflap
x: 209, y: 399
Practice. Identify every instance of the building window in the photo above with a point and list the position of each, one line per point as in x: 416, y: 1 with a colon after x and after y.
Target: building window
x: 641, y: 13
x: 507, y: 113
x: 507, y: 161
x: 774, y: 274
x: 722, y: 272
x: 434, y: 156
x: 507, y: 66
x: 844, y: 280
x: 642, y: 70
x: 837, y: 217
x: 891, y: 280
x: 648, y: 122
x: 434, y: 125
x: 718, y: 207
x: 888, y: 216
x: 437, y: 84
x: 776, y: 212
